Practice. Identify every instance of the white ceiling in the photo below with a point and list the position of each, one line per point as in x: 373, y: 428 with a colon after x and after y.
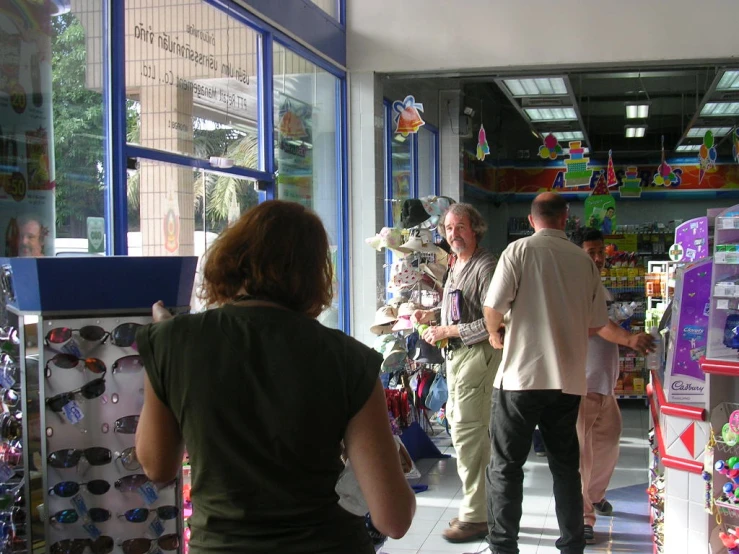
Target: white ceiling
x: 432, y: 35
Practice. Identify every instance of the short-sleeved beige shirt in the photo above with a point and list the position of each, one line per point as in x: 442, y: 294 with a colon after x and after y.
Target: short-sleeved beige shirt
x: 552, y: 294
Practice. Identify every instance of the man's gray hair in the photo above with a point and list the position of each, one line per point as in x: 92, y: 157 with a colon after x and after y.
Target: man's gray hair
x: 478, y: 224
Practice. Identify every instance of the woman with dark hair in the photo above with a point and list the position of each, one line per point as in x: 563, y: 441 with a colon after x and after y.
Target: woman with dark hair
x: 262, y: 395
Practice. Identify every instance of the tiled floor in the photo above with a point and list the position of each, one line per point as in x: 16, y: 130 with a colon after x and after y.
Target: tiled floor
x: 627, y: 531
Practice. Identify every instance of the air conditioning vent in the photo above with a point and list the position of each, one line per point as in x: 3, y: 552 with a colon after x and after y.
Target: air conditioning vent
x: 726, y: 96
x: 545, y: 102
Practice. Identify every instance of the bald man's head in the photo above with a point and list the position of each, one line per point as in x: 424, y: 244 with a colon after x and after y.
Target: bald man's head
x: 548, y: 210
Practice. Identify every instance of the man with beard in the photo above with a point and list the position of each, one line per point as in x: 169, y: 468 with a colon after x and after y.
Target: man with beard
x: 31, y: 236
x: 472, y: 363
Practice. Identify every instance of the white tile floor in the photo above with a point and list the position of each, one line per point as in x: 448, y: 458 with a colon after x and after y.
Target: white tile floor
x: 627, y: 531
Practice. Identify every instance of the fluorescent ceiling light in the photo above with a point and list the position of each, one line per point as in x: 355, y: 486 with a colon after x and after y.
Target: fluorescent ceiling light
x: 688, y: 148
x: 551, y: 114
x: 635, y: 131
x: 720, y: 108
x: 565, y: 135
x: 729, y: 81
x: 637, y: 111
x: 536, y: 87
x: 698, y: 132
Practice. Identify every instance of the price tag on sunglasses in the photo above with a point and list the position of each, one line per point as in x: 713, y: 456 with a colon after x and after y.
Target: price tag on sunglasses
x: 6, y: 472
x: 72, y: 348
x: 92, y: 530
x: 149, y: 493
x: 78, y: 503
x: 156, y: 527
x: 6, y: 380
x: 72, y: 412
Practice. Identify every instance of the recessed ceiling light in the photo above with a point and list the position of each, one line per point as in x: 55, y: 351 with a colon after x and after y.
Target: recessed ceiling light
x: 637, y: 111
x: 701, y: 131
x: 713, y: 109
x: 542, y: 86
x: 565, y: 135
x: 634, y: 131
x: 729, y: 81
x: 688, y: 148
x: 551, y: 114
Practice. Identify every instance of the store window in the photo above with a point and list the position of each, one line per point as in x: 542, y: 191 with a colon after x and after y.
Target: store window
x: 428, y: 161
x: 52, y: 154
x: 331, y: 7
x: 305, y: 118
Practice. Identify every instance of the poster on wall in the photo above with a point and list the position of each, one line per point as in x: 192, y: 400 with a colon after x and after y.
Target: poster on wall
x: 295, y: 152
x: 27, y: 221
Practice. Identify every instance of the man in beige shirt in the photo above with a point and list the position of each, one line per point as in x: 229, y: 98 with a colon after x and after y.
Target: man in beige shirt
x: 552, y: 293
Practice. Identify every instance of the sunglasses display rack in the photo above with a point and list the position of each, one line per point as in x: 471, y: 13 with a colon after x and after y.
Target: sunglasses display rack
x: 70, y: 482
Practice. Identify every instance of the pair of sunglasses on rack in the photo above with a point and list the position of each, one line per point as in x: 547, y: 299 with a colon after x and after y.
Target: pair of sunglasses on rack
x: 142, y: 545
x: 67, y: 489
x: 70, y: 457
x: 96, y: 515
x: 126, y: 425
x: 123, y: 335
x: 93, y: 389
x: 140, y: 515
x: 126, y: 364
x: 101, y: 545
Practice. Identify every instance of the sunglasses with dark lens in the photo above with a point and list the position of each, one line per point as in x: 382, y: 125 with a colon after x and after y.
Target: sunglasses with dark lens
x: 128, y: 459
x: 126, y: 425
x: 140, y: 515
x: 90, y: 390
x: 123, y: 335
x: 142, y: 546
x: 97, y: 515
x: 67, y: 489
x: 131, y: 483
x: 101, y: 545
x: 95, y: 456
x: 69, y: 361
x: 128, y: 364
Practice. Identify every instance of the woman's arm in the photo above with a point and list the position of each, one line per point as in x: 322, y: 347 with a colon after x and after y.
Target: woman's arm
x: 159, y: 444
x: 374, y: 455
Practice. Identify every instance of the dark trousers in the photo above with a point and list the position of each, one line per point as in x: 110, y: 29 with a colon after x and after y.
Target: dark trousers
x: 514, y: 416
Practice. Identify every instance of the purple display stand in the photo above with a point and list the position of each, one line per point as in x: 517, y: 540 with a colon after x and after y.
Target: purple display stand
x: 418, y: 444
x: 691, y: 241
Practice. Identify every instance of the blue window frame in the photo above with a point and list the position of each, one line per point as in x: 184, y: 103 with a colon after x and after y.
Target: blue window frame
x: 120, y: 152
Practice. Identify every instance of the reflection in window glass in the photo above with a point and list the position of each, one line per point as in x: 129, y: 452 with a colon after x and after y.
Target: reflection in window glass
x: 191, y: 75
x: 305, y: 99
x: 426, y: 162
x: 331, y: 7
x: 51, y: 126
x: 400, y: 162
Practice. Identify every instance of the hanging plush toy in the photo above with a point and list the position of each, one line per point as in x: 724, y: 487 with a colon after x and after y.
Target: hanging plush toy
x: 482, y: 144
x: 665, y: 176
x: 706, y: 155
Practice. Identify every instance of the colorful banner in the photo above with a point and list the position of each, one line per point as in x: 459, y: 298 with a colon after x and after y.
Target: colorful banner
x: 294, y: 156
x: 522, y: 180
x: 27, y: 221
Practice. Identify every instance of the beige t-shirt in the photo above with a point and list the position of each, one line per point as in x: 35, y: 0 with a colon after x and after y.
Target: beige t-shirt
x: 553, y: 292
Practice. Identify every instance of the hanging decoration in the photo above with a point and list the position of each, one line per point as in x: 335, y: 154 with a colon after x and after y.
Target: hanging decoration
x: 407, y: 119
x: 611, y: 179
x: 600, y: 207
x: 291, y: 125
x: 735, y: 140
x: 551, y: 148
x: 577, y: 173
x: 482, y: 144
x: 665, y: 176
x: 706, y: 155
x: 631, y: 183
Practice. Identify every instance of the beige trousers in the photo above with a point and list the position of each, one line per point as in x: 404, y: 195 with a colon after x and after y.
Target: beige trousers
x: 599, y: 431
x: 470, y: 376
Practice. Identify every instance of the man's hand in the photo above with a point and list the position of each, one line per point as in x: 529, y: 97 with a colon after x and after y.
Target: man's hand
x: 435, y: 333
x: 642, y: 343
x: 496, y: 339
x: 159, y: 312
x: 422, y: 316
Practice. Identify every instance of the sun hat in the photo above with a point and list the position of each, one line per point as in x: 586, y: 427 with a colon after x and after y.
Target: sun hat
x: 421, y: 241
x: 388, y: 237
x: 402, y: 276
x: 413, y: 213
x: 385, y: 317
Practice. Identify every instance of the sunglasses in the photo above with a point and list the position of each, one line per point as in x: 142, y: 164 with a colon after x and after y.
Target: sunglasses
x: 123, y: 335
x: 140, y: 515
x: 10, y: 427
x: 128, y: 364
x: 70, y: 361
x: 95, y: 456
x: 126, y: 425
x: 128, y: 459
x: 131, y: 483
x: 67, y: 489
x: 90, y: 390
x: 142, y: 546
x: 97, y: 515
x: 101, y: 545
x: 10, y: 493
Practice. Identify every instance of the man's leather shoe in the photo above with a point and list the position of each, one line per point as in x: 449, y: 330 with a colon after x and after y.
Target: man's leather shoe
x: 463, y: 531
